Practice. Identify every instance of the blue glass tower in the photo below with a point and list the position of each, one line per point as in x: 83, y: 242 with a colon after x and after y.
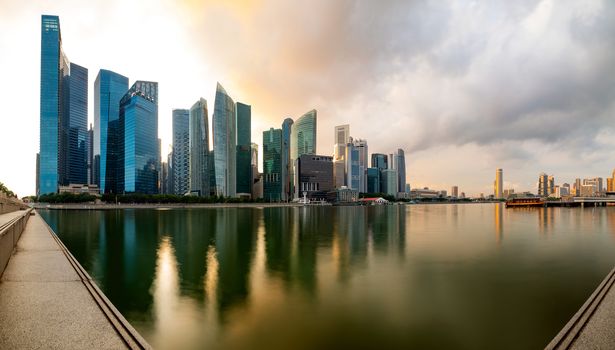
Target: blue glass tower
x: 225, y: 140
x: 199, y: 149
x: 244, y: 149
x: 272, y: 165
x: 139, y: 152
x: 287, y: 126
x: 54, y: 66
x: 75, y: 135
x: 181, y: 151
x: 109, y: 88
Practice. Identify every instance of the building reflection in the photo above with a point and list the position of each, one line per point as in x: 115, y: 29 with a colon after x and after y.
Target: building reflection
x: 498, y: 210
x: 387, y: 225
x: 350, y: 244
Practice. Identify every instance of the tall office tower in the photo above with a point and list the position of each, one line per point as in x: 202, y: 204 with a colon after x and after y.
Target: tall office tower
x: 164, y: 178
x: 303, y: 141
x: 255, y: 173
x: 109, y: 88
x: 543, y: 185
x: 361, y: 147
x: 341, y: 137
x: 551, y: 186
x: 577, y: 187
x: 596, y: 181
x: 379, y: 161
x: 63, y: 114
x: 373, y: 180
x: 353, y: 170
x: 225, y: 140
x: 272, y: 165
x: 243, y: 152
x: 400, y: 166
x: 610, y: 182
x: 170, y: 180
x: 139, y: 151
x: 390, y: 182
x: 90, y: 155
x: 287, y: 127
x: 498, y: 189
x: 181, y: 152
x: 454, y: 192
x: 198, y: 159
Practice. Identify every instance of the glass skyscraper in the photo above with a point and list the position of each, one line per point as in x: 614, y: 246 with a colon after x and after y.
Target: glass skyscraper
x: 199, y: 149
x: 287, y: 126
x: 225, y: 140
x: 180, y: 166
x: 303, y: 141
x: 400, y: 166
x: 139, y: 152
x: 373, y: 180
x: 63, y: 114
x: 272, y: 165
x: 244, y: 142
x: 109, y: 88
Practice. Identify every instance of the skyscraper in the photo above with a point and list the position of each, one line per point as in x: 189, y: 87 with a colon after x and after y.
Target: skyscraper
x: 353, y: 172
x: 373, y: 180
x: 400, y: 166
x: 543, y: 185
x: 243, y: 151
x: 180, y: 166
x: 272, y: 165
x: 63, y: 114
x: 341, y: 138
x: 139, y: 151
x: 389, y: 180
x: 498, y: 187
x: 361, y: 147
x: 379, y: 161
x: 315, y: 176
x: 109, y: 88
x: 303, y: 141
x: 454, y: 191
x: 287, y: 126
x: 225, y: 140
x: 257, y: 188
x: 199, y: 182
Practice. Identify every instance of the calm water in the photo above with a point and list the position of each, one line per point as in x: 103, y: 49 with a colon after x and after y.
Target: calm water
x: 423, y: 276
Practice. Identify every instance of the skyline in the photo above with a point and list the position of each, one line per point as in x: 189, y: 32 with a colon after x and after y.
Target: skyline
x: 438, y: 143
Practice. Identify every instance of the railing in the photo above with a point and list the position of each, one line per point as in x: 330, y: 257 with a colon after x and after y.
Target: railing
x: 9, y: 235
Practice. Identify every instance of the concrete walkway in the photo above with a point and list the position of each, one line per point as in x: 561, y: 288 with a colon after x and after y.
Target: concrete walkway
x: 48, y: 301
x: 593, y: 326
x: 6, y: 218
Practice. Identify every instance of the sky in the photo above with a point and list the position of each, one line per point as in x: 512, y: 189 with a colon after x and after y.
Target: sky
x: 463, y: 87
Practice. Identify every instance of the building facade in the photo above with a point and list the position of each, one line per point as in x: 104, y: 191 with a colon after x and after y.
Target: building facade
x: 181, y: 152
x: 390, y: 178
x: 400, y: 166
x: 199, y: 149
x: 353, y: 170
x: 272, y: 165
x: 315, y: 176
x: 244, y: 143
x: 498, y: 184
x: 225, y: 141
x: 373, y: 180
x: 287, y: 169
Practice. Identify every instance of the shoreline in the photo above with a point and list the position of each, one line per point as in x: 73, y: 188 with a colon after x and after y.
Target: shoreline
x: 89, y: 206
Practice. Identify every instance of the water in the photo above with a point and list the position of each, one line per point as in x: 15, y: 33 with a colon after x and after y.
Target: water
x: 473, y: 276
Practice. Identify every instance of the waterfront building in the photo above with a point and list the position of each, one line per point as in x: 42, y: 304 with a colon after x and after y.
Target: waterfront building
x: 225, y: 141
x: 361, y: 147
x: 390, y: 181
x: 181, y: 151
x: 562, y: 191
x: 543, y: 185
x: 139, y: 151
x: 551, y: 184
x: 109, y: 88
x: 508, y: 193
x: 62, y: 158
x: 379, y: 161
x: 610, y: 182
x: 400, y: 166
x: 596, y: 181
x: 498, y: 189
x: 170, y: 181
x: 272, y: 165
x: 408, y: 189
x: 287, y: 165
x: 303, y: 141
x: 91, y: 155
x: 345, y: 195
x: 256, y: 176
x: 462, y: 195
x: 164, y: 178
x: 341, y: 138
x: 315, y: 176
x: 425, y: 192
x: 373, y: 180
x: 243, y: 174
x: 454, y: 191
x: 353, y: 171
x: 589, y: 190
x: 199, y: 149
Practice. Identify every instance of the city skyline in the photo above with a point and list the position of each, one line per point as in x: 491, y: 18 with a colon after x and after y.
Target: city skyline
x: 437, y: 144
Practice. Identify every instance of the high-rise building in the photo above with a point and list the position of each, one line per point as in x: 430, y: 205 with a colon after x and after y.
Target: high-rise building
x: 543, y: 185
x: 63, y: 114
x: 400, y: 166
x: 341, y: 138
x: 596, y: 182
x: 379, y: 161
x: 373, y: 180
x: 303, y: 141
x: 225, y: 141
x: 257, y: 186
x: 454, y: 191
x: 361, y: 147
x: 139, y: 151
x: 353, y: 170
x: 390, y: 182
x: 109, y: 88
x: 170, y: 180
x: 287, y: 126
x: 551, y: 184
x: 315, y: 176
x: 181, y: 151
x: 199, y: 149
x: 610, y: 182
x: 272, y: 165
x: 243, y: 152
x: 498, y: 185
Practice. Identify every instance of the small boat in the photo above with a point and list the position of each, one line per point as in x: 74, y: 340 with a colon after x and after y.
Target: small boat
x: 525, y: 202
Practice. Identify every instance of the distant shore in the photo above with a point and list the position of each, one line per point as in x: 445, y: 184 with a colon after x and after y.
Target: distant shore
x: 89, y: 206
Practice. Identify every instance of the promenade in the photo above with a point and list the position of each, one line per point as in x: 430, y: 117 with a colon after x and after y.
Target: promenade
x: 593, y: 326
x: 48, y: 301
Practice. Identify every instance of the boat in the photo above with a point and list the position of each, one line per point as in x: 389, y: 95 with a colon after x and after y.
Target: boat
x: 525, y: 202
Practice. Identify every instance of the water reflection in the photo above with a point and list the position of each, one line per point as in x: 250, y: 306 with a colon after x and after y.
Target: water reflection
x: 317, y: 277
